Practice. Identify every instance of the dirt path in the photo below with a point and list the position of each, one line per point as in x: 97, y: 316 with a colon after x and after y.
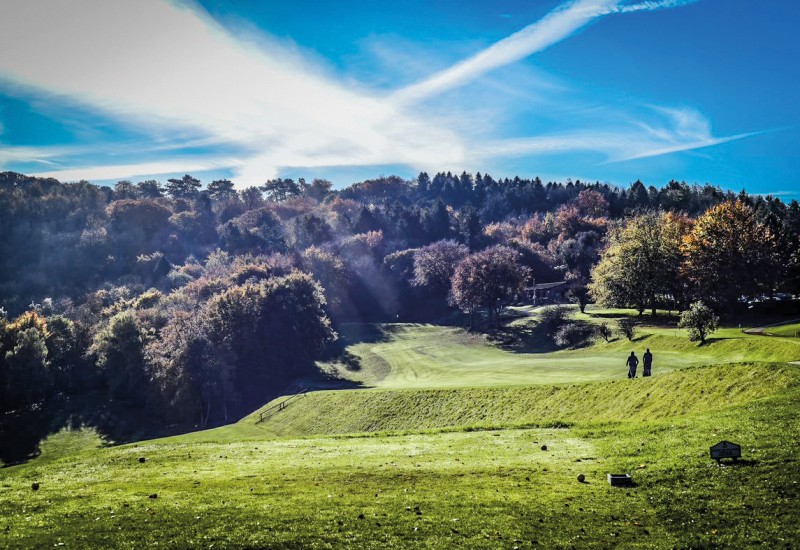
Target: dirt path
x: 762, y: 330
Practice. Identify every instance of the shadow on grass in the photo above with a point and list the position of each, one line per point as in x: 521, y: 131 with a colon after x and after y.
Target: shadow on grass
x: 739, y: 463
x: 611, y: 316
x: 530, y: 338
x: 324, y: 381
x: 533, y: 337
x: 361, y: 333
x: 350, y: 361
x: 22, y: 431
x: 659, y: 321
x: 351, y: 334
x: 710, y: 341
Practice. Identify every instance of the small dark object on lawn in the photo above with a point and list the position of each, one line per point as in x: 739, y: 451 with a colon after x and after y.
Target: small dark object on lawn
x: 142, y: 460
x: 620, y: 480
x: 581, y: 478
x: 35, y: 486
x: 544, y: 447
x: 360, y: 516
x: 154, y: 495
x: 726, y: 449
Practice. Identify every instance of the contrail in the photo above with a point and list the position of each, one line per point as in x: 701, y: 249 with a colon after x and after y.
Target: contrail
x: 557, y: 25
x: 652, y: 5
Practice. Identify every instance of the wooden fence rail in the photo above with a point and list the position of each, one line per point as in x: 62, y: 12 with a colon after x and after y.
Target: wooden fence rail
x: 280, y: 406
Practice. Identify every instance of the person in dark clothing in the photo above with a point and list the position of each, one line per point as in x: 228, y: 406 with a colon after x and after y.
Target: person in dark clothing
x: 648, y: 362
x: 632, y: 363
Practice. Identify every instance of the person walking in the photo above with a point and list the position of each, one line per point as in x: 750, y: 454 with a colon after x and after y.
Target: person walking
x: 632, y: 363
x: 648, y: 362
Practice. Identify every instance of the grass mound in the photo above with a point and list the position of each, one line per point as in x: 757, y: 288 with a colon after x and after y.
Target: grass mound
x: 689, y: 391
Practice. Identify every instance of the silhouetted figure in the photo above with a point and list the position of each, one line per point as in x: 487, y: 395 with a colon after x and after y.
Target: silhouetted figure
x: 632, y: 363
x: 648, y: 362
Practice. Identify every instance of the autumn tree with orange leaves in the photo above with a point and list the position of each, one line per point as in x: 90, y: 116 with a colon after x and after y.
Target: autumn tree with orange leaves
x: 729, y: 254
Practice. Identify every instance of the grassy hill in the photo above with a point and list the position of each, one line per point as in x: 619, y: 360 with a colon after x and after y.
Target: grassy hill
x: 432, y: 356
x: 691, y: 391
x: 449, y: 452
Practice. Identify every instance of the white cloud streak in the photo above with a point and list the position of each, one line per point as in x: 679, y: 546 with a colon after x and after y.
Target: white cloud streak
x: 158, y: 64
x: 142, y: 170
x: 171, y: 68
x: 559, y: 24
x: 653, y: 5
x: 681, y: 130
x: 40, y: 155
x: 554, y: 27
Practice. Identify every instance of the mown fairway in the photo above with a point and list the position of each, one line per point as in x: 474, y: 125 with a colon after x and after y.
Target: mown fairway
x: 428, y: 356
x: 453, y: 465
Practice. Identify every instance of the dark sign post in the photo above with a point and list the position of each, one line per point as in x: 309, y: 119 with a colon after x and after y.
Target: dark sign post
x: 726, y: 449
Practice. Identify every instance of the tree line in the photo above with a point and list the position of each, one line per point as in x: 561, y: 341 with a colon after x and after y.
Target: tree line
x: 188, y: 305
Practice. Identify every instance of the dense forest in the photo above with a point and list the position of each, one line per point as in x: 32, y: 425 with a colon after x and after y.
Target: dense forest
x: 179, y: 306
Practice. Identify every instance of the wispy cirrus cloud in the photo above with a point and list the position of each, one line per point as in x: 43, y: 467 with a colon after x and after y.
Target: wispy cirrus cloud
x: 685, y: 129
x: 143, y: 169
x: 674, y: 130
x: 159, y: 64
x: 39, y: 155
x: 169, y: 68
x: 551, y: 29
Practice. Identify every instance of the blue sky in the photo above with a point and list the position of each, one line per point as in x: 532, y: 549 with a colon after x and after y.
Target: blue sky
x: 608, y: 90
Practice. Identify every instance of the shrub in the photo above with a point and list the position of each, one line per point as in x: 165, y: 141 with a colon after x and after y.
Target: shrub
x: 626, y: 327
x: 149, y: 298
x: 178, y: 278
x: 572, y: 334
x: 552, y: 317
x: 700, y: 320
x: 604, y: 331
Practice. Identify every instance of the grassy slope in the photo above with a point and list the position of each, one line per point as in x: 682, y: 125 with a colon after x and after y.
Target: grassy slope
x: 429, y: 356
x: 786, y: 331
x: 677, y: 393
x: 493, y: 488
x: 450, y: 486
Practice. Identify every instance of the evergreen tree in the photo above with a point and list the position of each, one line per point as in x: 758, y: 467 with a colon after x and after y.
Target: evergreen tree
x: 186, y: 187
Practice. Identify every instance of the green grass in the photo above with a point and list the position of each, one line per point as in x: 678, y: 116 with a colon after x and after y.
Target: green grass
x: 490, y: 488
x: 677, y: 393
x: 438, y: 456
x: 785, y: 331
x: 431, y: 356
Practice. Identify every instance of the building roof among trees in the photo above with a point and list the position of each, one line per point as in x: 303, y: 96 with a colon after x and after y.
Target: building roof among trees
x: 547, y: 286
